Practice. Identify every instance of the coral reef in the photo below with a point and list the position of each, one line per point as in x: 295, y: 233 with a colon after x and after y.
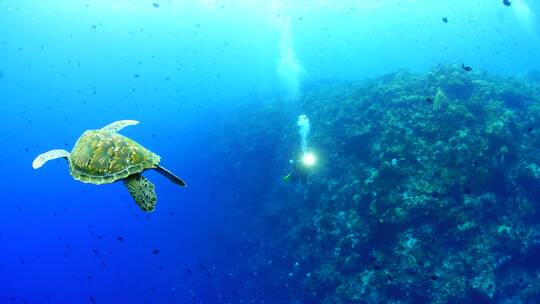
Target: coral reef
x: 427, y: 190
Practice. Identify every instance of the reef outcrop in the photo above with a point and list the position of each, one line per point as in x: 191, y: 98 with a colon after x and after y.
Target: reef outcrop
x: 427, y: 190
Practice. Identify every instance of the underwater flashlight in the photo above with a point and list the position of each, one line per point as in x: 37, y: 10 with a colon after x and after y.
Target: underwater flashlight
x: 309, y: 159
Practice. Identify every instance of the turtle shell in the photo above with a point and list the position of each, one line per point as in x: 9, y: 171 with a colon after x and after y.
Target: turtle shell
x: 101, y: 157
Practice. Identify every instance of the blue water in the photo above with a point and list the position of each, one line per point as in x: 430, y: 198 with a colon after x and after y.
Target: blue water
x: 182, y: 68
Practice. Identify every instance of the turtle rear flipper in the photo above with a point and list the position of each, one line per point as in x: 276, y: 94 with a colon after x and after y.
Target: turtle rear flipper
x: 142, y: 191
x: 168, y: 174
x: 47, y: 156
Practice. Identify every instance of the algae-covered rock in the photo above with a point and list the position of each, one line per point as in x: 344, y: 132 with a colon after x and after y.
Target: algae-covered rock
x: 485, y: 284
x: 440, y: 102
x: 458, y: 85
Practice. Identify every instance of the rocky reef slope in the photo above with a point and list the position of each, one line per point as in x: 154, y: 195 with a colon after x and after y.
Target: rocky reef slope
x: 427, y: 190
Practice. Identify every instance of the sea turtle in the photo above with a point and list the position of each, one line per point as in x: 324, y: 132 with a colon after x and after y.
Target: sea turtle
x: 103, y: 156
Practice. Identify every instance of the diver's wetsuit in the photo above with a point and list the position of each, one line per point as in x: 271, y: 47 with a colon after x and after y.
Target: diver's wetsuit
x: 299, y: 173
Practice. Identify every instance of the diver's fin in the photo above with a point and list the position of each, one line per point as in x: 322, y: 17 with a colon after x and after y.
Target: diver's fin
x: 142, y: 191
x: 168, y: 174
x: 119, y: 125
x: 287, y: 177
x: 47, y: 156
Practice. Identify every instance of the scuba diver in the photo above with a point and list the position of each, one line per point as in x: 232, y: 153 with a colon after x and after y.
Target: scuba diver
x: 301, y: 168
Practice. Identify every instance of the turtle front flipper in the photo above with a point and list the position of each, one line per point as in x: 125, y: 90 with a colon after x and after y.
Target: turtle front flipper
x: 142, y: 191
x: 119, y: 125
x: 47, y: 156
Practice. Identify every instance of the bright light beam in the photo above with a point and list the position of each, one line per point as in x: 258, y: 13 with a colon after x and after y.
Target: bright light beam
x: 309, y: 159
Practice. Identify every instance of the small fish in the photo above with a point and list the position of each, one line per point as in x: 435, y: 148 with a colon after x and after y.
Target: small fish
x: 507, y: 2
x: 120, y: 238
x: 103, y: 263
x: 445, y: 19
x: 429, y: 100
x: 136, y: 75
x: 95, y: 251
x: 202, y: 267
x: 152, y: 289
x: 529, y: 130
x: 188, y: 271
x: 435, y: 194
x: 466, y: 67
x: 156, y: 5
x: 92, y: 300
x: 22, y: 260
x: 155, y: 251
